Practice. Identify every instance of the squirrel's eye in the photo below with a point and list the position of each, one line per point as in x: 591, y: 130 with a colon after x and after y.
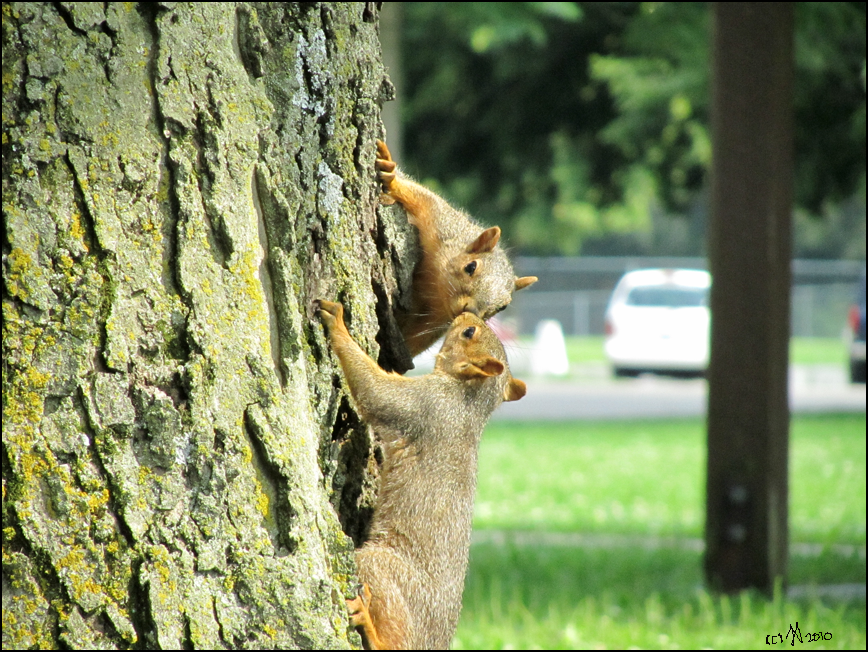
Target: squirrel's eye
x: 471, y: 267
x: 468, y: 332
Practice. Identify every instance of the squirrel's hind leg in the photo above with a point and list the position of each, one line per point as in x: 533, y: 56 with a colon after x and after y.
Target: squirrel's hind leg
x: 360, y: 616
x: 383, y: 619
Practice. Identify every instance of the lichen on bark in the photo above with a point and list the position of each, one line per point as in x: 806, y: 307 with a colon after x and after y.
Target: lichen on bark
x: 181, y: 467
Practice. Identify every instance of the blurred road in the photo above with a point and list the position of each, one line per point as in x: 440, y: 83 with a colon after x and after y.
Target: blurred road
x: 591, y: 393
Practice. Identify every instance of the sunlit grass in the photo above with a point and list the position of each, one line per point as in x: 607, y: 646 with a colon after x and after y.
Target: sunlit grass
x: 522, y: 596
x: 803, y: 350
x: 648, y: 477
x: 817, y: 350
x: 827, y: 479
x: 562, y: 598
x: 585, y: 349
x: 624, y: 567
x: 592, y: 477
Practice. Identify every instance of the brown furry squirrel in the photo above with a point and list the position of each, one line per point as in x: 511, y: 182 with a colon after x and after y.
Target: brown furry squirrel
x: 461, y: 268
x: 412, y: 567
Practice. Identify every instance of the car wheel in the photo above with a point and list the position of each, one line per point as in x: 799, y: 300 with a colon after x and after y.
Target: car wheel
x: 857, y: 371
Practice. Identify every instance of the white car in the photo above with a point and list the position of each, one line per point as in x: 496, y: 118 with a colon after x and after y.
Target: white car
x: 658, y: 321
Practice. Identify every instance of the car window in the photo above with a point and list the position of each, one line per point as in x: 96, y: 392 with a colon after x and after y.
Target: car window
x: 669, y: 296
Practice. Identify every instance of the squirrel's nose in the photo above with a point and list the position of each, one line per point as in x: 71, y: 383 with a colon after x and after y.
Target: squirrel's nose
x: 470, y: 306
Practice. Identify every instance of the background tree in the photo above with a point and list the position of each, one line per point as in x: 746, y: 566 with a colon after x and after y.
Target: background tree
x: 585, y: 126
x: 180, y: 182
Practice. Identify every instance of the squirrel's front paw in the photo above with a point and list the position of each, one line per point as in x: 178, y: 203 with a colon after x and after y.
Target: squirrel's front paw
x: 330, y: 313
x: 385, y: 170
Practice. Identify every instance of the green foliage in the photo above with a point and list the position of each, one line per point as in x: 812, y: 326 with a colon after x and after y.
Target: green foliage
x: 497, y: 114
x: 570, y: 123
x: 659, y: 79
x: 829, y: 102
x: 661, y: 87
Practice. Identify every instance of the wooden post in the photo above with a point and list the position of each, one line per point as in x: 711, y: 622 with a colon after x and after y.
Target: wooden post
x: 749, y: 256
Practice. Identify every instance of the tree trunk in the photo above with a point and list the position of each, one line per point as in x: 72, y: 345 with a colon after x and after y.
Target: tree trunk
x: 181, y: 467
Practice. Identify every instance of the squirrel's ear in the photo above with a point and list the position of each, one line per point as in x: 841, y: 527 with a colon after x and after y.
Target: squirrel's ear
x: 482, y: 368
x: 486, y: 241
x: 525, y: 281
x: 514, y: 390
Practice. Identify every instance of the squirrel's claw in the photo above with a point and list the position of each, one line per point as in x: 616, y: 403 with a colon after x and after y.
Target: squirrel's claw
x: 386, y: 177
x: 386, y: 174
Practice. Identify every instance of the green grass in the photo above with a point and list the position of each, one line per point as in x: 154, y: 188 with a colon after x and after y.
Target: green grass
x: 648, y: 477
x: 623, y: 486
x: 817, y: 350
x: 562, y: 598
x: 803, y: 350
x: 585, y: 349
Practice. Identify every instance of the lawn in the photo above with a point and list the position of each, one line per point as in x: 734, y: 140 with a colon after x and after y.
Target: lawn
x: 818, y: 350
x: 588, y: 535
x: 803, y: 350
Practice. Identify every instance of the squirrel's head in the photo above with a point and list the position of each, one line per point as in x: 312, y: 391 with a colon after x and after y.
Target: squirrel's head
x: 472, y: 353
x: 481, y: 277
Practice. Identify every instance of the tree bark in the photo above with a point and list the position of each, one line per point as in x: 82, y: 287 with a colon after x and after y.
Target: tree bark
x: 181, y: 465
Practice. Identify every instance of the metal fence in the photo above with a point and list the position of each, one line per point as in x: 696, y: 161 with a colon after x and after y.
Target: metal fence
x: 576, y: 291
